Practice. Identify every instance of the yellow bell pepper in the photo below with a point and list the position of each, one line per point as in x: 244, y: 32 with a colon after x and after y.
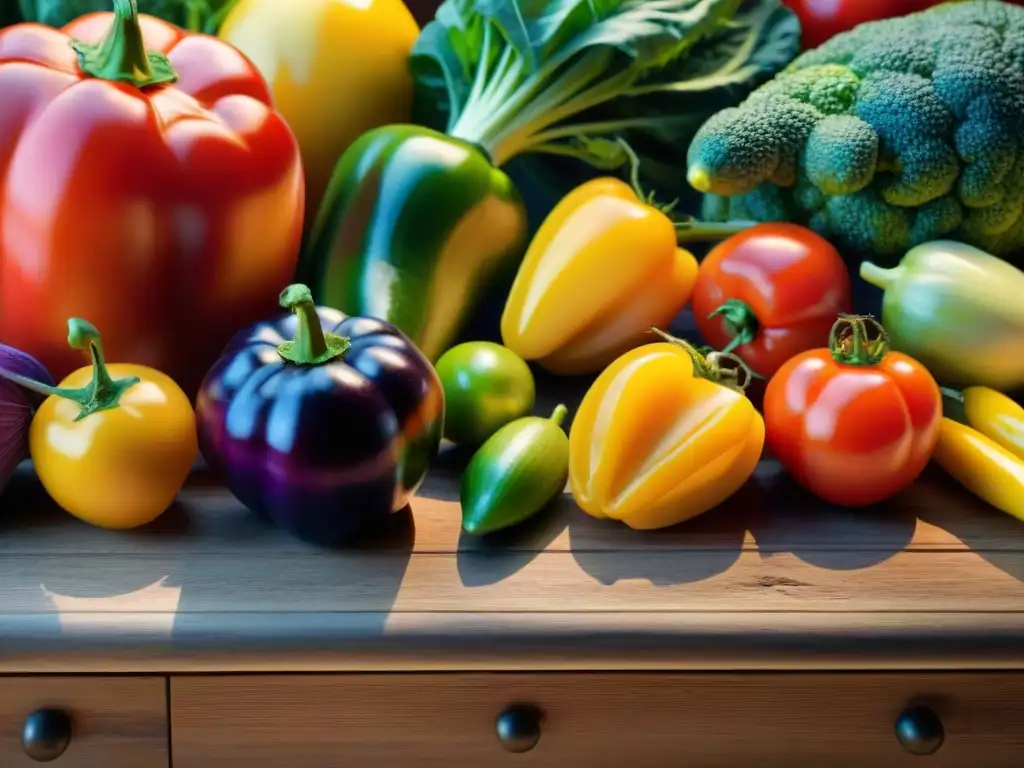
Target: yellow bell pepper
x: 113, y: 444
x: 984, y: 467
x: 990, y: 412
x: 336, y: 69
x: 603, y: 268
x: 663, y: 435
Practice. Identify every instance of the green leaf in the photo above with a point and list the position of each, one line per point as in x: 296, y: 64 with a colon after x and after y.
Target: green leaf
x: 196, y: 15
x: 575, y: 70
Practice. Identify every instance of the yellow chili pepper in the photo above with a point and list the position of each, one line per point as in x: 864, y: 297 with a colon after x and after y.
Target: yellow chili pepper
x: 984, y: 467
x: 663, y: 435
x: 990, y: 412
x: 602, y: 269
x: 113, y: 444
x: 336, y: 69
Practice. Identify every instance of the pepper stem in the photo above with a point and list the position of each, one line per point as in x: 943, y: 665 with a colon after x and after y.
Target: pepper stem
x: 691, y: 230
x: 880, y: 277
x: 740, y: 322
x: 312, y: 345
x: 101, y: 393
x: 647, y: 198
x: 850, y: 343
x: 738, y: 376
x: 121, y: 56
x: 558, y: 415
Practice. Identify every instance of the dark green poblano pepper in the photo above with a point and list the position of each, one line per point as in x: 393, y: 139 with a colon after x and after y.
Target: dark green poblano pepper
x: 957, y: 310
x: 415, y: 227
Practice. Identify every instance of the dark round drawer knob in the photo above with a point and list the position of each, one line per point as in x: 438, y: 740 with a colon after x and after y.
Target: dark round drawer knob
x: 920, y: 731
x: 518, y: 729
x: 46, y: 735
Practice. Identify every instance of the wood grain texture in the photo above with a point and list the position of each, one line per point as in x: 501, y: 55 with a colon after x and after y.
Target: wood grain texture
x: 119, y: 721
x: 593, y: 720
x: 932, y: 571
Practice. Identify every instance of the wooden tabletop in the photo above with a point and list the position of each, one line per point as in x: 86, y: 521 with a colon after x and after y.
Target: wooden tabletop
x: 772, y: 580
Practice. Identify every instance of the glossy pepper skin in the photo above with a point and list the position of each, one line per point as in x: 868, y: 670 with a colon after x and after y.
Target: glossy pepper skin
x: 603, y: 268
x: 983, y: 466
x: 770, y: 293
x: 112, y: 444
x: 958, y: 310
x: 158, y: 194
x: 336, y: 69
x: 990, y: 412
x: 853, y: 422
x: 323, y: 422
x: 663, y: 435
x: 413, y: 230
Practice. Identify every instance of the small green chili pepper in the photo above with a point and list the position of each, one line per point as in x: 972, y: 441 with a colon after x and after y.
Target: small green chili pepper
x: 515, y: 474
x: 957, y: 310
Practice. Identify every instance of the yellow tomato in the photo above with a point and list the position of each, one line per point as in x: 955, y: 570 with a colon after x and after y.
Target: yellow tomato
x: 336, y: 69
x: 659, y: 438
x: 113, y: 444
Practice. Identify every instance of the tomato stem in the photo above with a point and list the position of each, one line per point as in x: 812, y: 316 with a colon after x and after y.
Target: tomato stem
x: 311, y: 344
x: 710, y: 366
x: 740, y: 322
x: 101, y: 393
x: 121, y: 56
x: 850, y: 343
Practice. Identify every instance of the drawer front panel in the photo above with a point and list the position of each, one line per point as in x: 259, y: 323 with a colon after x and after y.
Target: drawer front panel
x: 599, y: 720
x: 84, y: 722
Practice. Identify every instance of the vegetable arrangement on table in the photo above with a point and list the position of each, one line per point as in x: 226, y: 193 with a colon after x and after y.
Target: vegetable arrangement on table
x: 325, y: 384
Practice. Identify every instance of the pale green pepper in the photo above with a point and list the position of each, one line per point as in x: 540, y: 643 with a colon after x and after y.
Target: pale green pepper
x: 957, y: 310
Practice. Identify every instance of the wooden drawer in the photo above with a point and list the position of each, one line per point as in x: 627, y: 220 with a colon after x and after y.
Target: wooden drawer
x: 117, y: 722
x: 593, y: 720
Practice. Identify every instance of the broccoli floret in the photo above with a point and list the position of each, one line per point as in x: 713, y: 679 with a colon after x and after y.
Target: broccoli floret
x: 895, y: 133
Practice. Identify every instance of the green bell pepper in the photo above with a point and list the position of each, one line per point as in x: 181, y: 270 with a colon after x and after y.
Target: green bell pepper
x: 957, y: 310
x: 415, y: 227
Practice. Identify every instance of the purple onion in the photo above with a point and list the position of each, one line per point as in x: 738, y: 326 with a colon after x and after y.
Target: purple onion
x: 17, y: 405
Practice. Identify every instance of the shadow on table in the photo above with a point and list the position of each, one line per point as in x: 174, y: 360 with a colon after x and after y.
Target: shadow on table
x: 993, y: 535
x: 205, y: 556
x: 769, y: 515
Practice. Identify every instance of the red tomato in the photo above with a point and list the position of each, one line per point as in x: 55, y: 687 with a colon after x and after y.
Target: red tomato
x: 854, y: 423
x: 769, y: 293
x: 822, y: 19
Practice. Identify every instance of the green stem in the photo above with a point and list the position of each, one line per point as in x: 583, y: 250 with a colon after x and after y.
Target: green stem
x: 558, y: 415
x: 216, y: 20
x: 121, y: 55
x: 101, y: 393
x: 740, y: 322
x: 880, y: 277
x: 312, y: 345
x: 850, y: 343
x: 700, y: 231
x: 736, y: 376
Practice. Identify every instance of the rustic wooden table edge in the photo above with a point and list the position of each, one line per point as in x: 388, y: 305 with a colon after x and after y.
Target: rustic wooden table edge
x: 354, y: 642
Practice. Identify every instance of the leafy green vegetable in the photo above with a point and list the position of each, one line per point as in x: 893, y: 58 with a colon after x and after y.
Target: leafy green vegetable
x: 195, y: 15
x: 565, y: 77
x: 895, y: 133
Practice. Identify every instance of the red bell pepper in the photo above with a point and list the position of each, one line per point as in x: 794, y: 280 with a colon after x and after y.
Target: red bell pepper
x: 147, y: 184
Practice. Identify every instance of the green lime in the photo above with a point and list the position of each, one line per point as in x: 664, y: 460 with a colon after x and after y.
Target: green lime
x: 486, y: 386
